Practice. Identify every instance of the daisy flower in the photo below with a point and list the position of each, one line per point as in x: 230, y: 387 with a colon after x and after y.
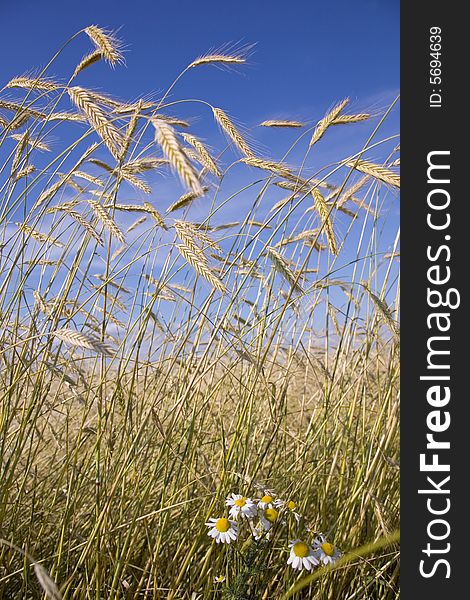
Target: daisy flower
x: 219, y: 579
x: 301, y: 556
x: 268, y: 518
x: 267, y: 501
x: 222, y: 530
x: 260, y: 532
x: 326, y: 552
x: 289, y: 506
x: 241, y: 506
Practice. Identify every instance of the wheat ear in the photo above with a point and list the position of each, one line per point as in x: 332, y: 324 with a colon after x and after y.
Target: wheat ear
x: 106, y: 43
x: 102, y: 214
x: 166, y: 138
x: 203, y: 155
x: 281, y: 123
x: 82, y: 340
x: 223, y: 120
x: 31, y: 83
x: 376, y: 171
x: 97, y: 118
x: 199, y: 262
x: 327, y: 120
x: 87, y: 61
x: 324, y: 212
x: 283, y: 268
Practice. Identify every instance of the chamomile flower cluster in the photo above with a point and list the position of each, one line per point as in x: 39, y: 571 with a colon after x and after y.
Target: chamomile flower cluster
x: 260, y: 517
x: 307, y: 556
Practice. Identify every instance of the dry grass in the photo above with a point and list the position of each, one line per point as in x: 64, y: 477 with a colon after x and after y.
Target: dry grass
x: 249, y: 344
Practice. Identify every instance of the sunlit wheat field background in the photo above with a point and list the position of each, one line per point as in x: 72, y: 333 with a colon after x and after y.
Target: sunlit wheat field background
x: 199, y: 340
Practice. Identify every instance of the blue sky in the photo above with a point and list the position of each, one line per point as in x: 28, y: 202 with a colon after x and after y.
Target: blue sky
x: 309, y: 55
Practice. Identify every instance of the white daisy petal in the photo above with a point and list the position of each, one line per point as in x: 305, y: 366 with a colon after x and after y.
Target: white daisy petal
x: 222, y: 530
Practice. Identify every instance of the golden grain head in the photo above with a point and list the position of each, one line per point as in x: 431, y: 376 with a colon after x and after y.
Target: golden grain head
x: 106, y: 43
x: 282, y: 123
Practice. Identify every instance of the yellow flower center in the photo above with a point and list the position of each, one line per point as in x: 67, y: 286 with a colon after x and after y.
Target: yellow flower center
x: 328, y: 548
x: 291, y: 505
x: 301, y: 549
x: 267, y: 499
x: 271, y: 515
x: 240, y: 502
x: 222, y: 525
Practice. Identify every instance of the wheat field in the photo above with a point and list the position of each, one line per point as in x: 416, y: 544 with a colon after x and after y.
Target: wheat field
x: 181, y: 322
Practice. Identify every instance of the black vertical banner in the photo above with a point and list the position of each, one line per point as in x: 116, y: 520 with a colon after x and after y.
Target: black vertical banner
x: 435, y: 219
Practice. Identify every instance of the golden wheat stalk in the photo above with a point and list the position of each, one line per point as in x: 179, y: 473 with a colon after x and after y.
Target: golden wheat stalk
x: 42, y: 304
x: 269, y: 165
x: 281, y: 123
x: 327, y: 120
x: 38, y: 236
x: 102, y: 165
x: 67, y: 116
x: 306, y: 235
x: 31, y: 83
x: 18, y: 108
x: 174, y: 121
x: 131, y: 129
x: 147, y: 163
x: 65, y: 206
x: 103, y: 216
x: 48, y: 585
x: 223, y: 226
x: 281, y: 203
x: 19, y: 120
x: 324, y: 213
x: 129, y: 170
x: 188, y: 232
x: 82, y: 340
x: 49, y: 192
x: 20, y: 147
x: 376, y: 171
x: 113, y: 284
x: 30, y: 141
x: 203, y: 155
x: 25, y: 172
x: 126, y: 207
x: 184, y: 200
x: 87, y: 61
x: 225, y: 59
x: 345, y: 119
x: 137, y: 182
x: 227, y: 125
x: 153, y: 212
x: 302, y: 185
x: 107, y: 43
x: 166, y: 138
x: 87, y: 177
x: 161, y: 290
x: 282, y: 266
x: 84, y: 223
x: 347, y: 211
x: 130, y: 108
x: 348, y: 193
x: 85, y: 101
x: 134, y: 225
x: 200, y: 265
x: 114, y: 300
x: 186, y: 235
x: 119, y: 250
x: 383, y: 309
